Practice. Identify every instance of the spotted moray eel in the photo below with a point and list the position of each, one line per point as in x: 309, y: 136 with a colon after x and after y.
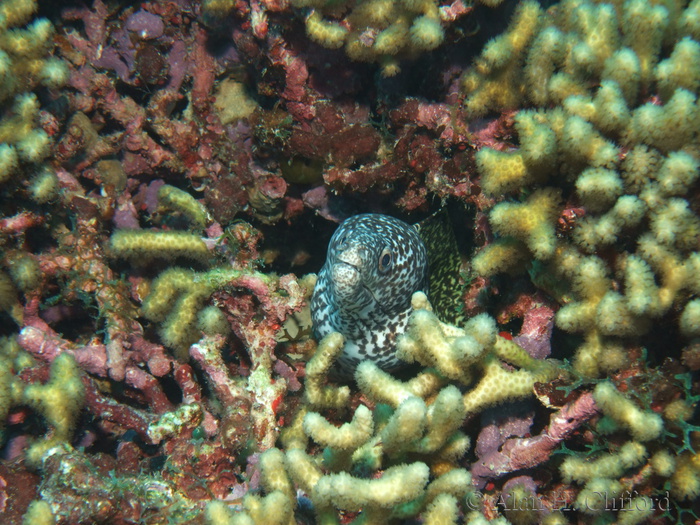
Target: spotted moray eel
x: 374, y: 265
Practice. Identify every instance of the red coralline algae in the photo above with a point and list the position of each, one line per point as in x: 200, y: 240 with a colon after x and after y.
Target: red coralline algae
x: 18, y: 488
x: 146, y: 25
x: 519, y: 453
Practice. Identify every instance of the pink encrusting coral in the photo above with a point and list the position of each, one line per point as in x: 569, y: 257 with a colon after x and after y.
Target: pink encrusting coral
x: 171, y: 173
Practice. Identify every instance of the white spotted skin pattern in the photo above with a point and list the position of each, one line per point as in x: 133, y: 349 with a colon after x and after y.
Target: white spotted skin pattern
x: 367, y: 301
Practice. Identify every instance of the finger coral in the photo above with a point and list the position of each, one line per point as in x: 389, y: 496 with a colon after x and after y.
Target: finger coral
x: 629, y: 159
x: 60, y: 401
x: 382, y: 31
x: 469, y: 354
x: 419, y: 419
x: 141, y: 245
x: 25, y: 66
x: 643, y: 426
x: 176, y: 200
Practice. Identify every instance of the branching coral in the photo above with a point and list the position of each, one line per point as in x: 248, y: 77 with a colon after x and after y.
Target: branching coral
x: 412, y: 438
x: 252, y: 304
x: 644, y: 426
x: 630, y: 159
x: 469, y: 354
x: 60, y: 400
x: 141, y: 245
x: 494, y: 82
x: 628, y: 471
x: 380, y: 31
x: 608, y: 130
x: 25, y: 65
x: 401, y: 491
x: 172, y: 199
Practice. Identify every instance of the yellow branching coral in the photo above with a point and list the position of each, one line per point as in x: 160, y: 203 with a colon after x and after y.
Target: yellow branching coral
x: 400, y: 491
x: 643, y: 425
x: 685, y: 481
x: 412, y: 439
x: 178, y: 303
x: 274, y: 478
x: 470, y: 353
x: 606, y: 477
x: 273, y: 509
x: 443, y: 510
x: 12, y: 359
x: 494, y: 80
x: 406, y: 425
x: 397, y: 485
x: 175, y: 300
x: 39, y: 513
x: 44, y: 186
x: 317, y: 393
x: 324, y: 32
x: 176, y: 200
x: 508, y: 171
x: 143, y: 245
x: 577, y: 469
x: 532, y: 222
x: 349, y: 436
x: 9, y: 302
x: 628, y: 162
x: 382, y: 31
x: 25, y: 65
x: 382, y: 387
x: 59, y: 401
x: 504, y: 255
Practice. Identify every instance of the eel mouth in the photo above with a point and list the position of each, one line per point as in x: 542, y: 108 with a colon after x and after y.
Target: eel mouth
x: 347, y: 278
x: 346, y: 274
x: 348, y: 281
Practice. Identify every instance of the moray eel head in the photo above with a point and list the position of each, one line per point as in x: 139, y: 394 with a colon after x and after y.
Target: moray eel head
x: 374, y: 265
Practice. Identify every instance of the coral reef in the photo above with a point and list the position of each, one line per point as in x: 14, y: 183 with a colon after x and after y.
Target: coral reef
x: 171, y: 173
x: 412, y: 437
x: 408, y: 429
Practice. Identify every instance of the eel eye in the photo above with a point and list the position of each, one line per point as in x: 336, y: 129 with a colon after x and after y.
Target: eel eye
x: 385, y: 260
x: 340, y: 242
